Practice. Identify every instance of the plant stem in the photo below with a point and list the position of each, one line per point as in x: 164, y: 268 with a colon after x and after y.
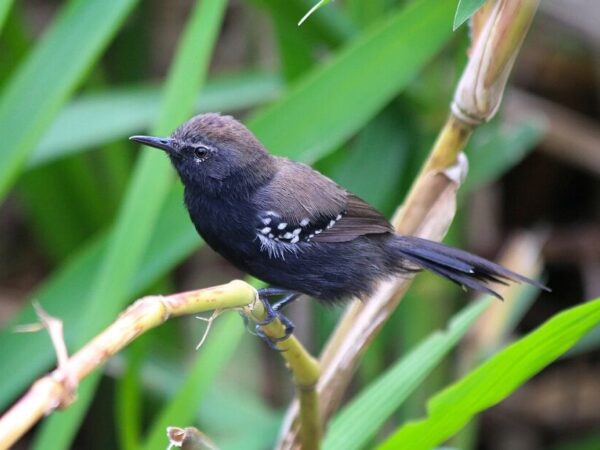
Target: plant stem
x: 431, y: 203
x: 58, y: 389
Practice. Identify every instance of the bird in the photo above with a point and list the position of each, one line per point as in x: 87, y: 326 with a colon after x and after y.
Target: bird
x: 294, y: 228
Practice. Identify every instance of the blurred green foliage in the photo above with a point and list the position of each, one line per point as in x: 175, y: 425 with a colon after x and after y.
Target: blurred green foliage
x: 359, y: 90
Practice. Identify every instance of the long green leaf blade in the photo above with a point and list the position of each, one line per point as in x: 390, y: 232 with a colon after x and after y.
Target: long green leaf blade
x: 98, y: 119
x: 144, y: 199
x: 353, y: 83
x: 5, y: 6
x: 496, y: 379
x: 68, y: 50
x: 359, y: 421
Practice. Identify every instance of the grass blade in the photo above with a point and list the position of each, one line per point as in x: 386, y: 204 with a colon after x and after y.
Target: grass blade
x: 144, y: 199
x: 353, y: 83
x: 496, y: 379
x: 5, y: 6
x: 359, y: 421
x: 95, y: 120
x: 68, y: 50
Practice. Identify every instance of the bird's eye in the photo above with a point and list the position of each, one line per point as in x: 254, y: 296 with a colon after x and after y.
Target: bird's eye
x: 201, y: 152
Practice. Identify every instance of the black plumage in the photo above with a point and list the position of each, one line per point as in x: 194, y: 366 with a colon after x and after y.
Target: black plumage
x: 294, y: 228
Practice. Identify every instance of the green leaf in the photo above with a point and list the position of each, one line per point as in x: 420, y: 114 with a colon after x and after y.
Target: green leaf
x: 357, y: 83
x: 97, y: 119
x: 67, y: 51
x: 496, y: 379
x: 5, y: 6
x: 142, y: 205
x: 365, y: 13
x: 367, y: 412
x: 465, y: 9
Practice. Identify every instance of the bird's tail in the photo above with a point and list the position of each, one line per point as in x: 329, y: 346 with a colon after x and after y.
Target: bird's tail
x: 459, y: 266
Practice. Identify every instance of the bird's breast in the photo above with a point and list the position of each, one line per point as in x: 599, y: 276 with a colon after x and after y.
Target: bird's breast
x: 225, y: 227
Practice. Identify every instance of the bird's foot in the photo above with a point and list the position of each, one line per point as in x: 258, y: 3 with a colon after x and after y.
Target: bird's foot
x: 274, y: 312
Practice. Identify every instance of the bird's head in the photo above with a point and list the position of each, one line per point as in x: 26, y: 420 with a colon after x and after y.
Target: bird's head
x: 211, y: 152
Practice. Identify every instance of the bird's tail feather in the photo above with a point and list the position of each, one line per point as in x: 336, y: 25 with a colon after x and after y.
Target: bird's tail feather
x: 459, y: 266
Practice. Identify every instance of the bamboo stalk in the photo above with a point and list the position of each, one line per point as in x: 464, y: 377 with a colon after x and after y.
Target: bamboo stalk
x: 305, y: 371
x: 498, y: 31
x: 58, y: 388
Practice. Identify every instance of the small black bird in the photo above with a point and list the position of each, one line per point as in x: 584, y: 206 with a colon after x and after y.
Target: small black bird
x: 287, y: 224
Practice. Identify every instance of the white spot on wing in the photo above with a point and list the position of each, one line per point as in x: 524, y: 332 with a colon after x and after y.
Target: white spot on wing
x: 265, y: 230
x: 276, y: 248
x: 304, y: 222
x: 281, y: 226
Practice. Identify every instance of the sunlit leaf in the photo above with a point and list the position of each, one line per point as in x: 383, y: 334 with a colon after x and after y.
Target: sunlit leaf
x: 359, y: 421
x: 496, y: 379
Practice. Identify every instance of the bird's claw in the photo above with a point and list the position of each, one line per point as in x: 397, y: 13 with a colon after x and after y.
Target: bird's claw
x: 270, y: 341
x: 270, y: 316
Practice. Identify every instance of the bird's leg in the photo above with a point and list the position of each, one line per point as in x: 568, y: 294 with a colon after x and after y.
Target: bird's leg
x: 273, y: 312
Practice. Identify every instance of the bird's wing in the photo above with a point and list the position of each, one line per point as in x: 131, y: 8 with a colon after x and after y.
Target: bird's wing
x: 358, y: 218
x: 301, y: 205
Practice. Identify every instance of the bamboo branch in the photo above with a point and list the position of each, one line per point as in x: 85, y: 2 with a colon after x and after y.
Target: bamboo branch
x: 498, y: 31
x: 57, y: 389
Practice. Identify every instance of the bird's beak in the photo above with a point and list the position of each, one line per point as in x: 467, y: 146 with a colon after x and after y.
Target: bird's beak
x: 165, y: 144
